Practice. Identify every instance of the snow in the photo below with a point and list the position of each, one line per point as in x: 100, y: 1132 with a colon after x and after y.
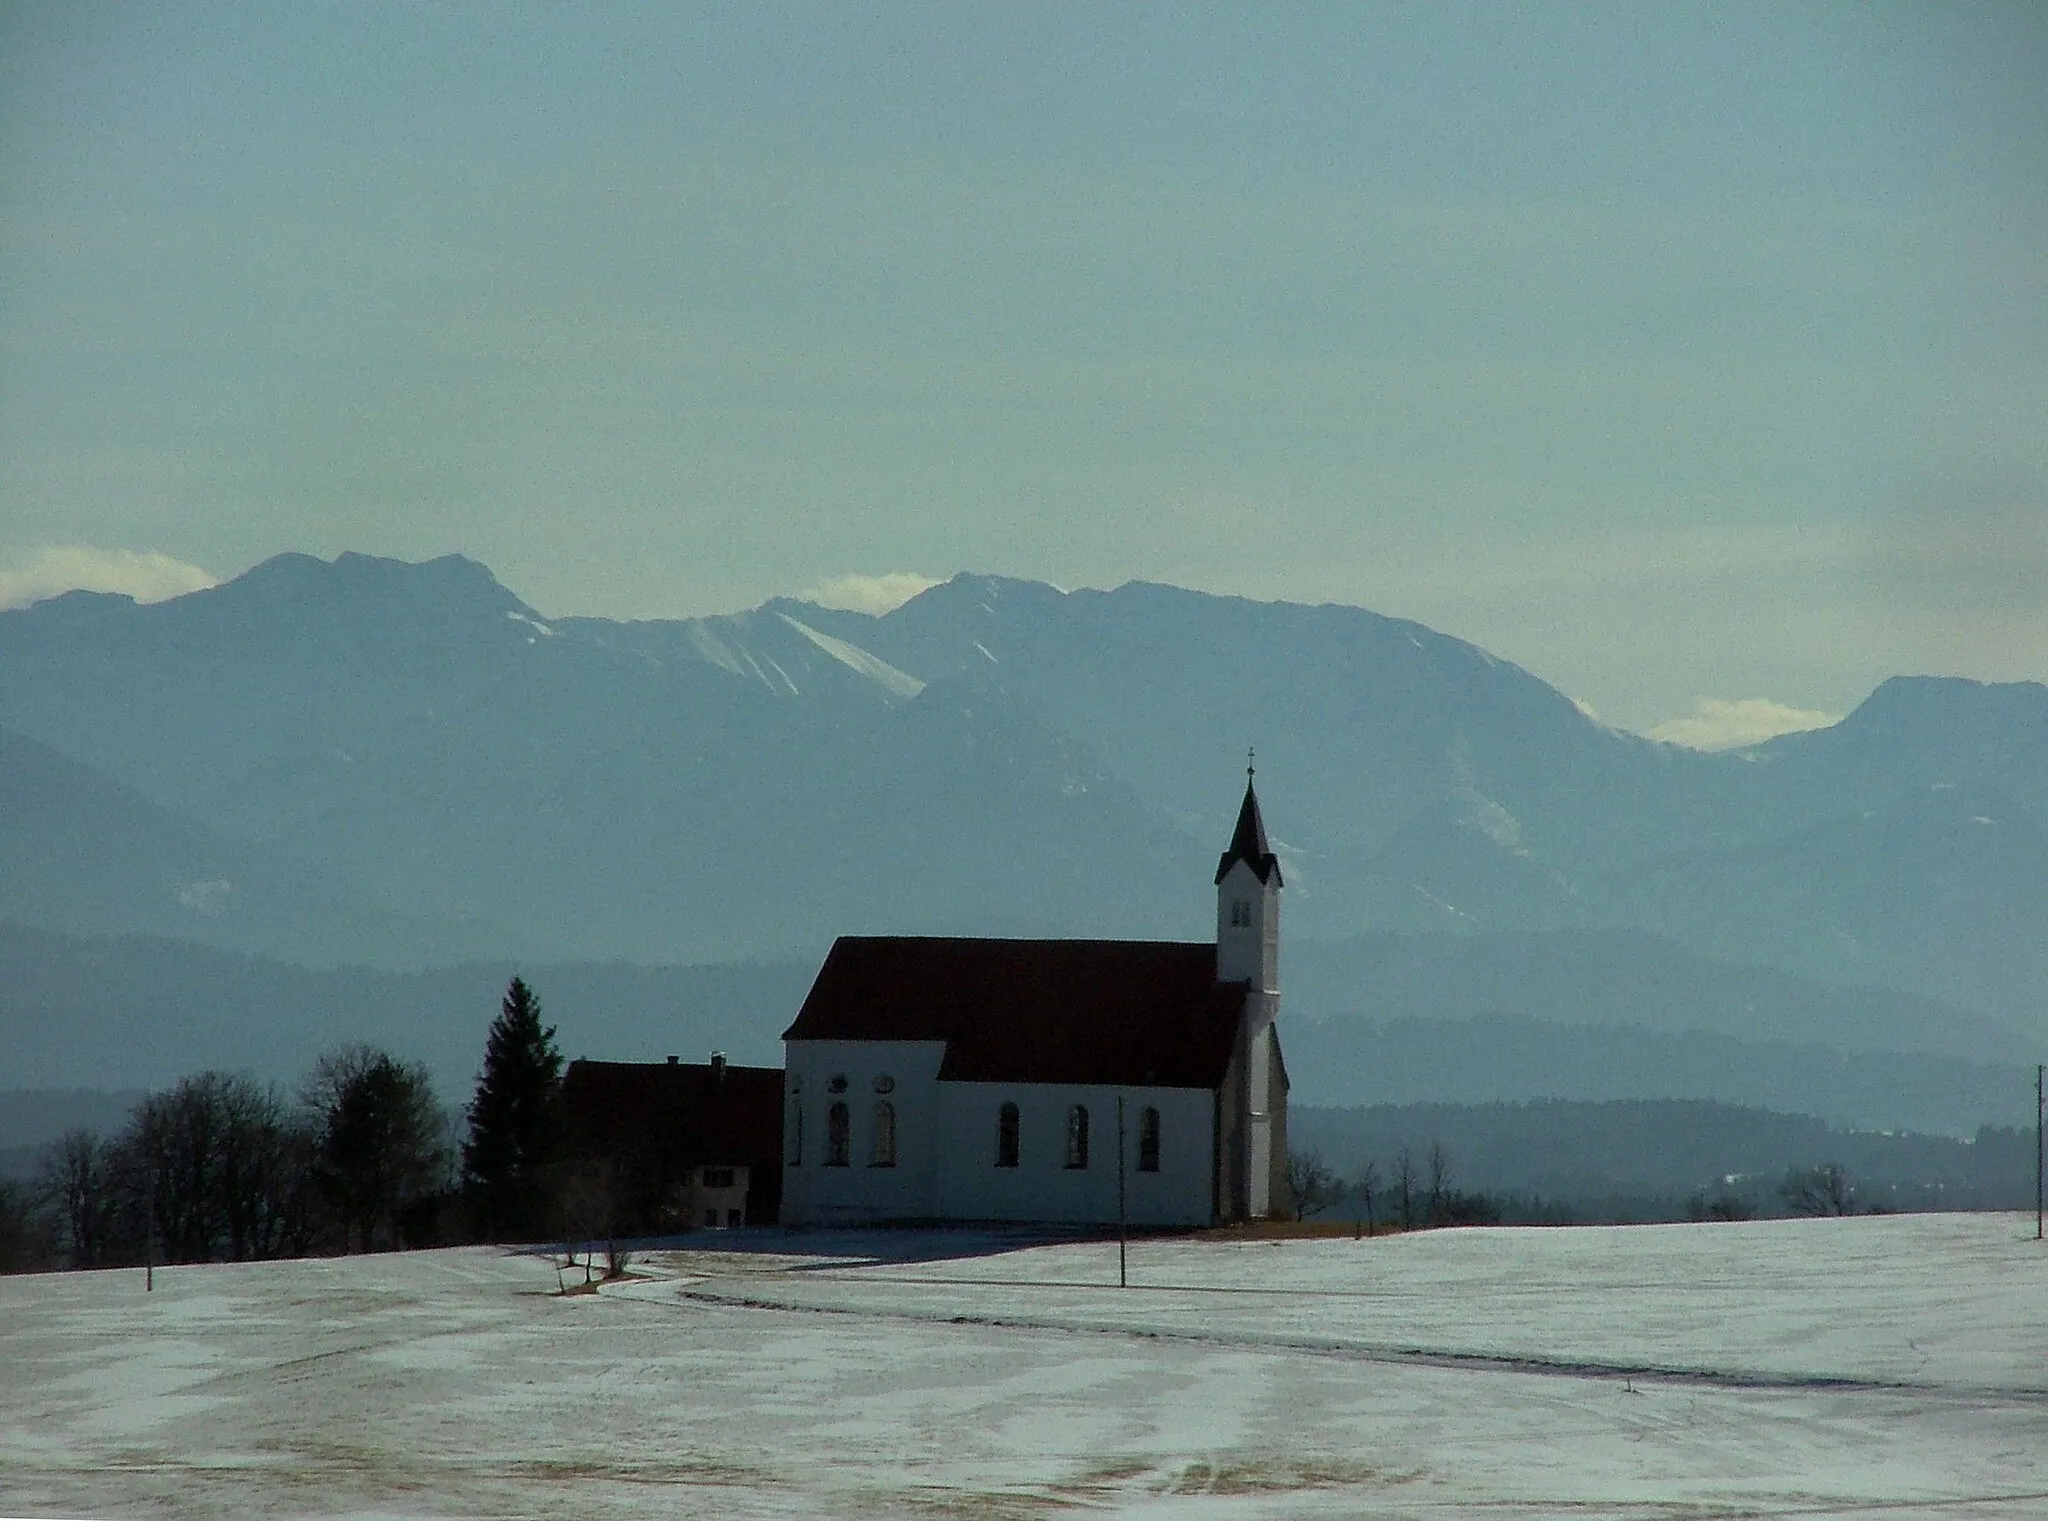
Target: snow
x: 1894, y: 1366
x: 854, y: 658
x: 739, y: 660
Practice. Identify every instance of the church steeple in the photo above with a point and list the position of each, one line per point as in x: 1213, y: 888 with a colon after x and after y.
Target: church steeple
x: 1248, y: 901
x: 1248, y: 841
x: 1254, y: 1109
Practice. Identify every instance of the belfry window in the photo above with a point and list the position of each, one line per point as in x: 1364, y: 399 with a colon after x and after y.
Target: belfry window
x: 1240, y: 913
x: 1148, y: 1140
x: 838, y: 1136
x: 1006, y: 1136
x: 1077, y: 1137
x: 882, y: 1146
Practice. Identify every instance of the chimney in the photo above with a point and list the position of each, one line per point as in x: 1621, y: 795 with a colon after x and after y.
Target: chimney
x: 671, y: 1061
x: 718, y: 1068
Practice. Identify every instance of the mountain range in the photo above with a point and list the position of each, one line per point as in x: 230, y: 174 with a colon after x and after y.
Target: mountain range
x: 369, y: 762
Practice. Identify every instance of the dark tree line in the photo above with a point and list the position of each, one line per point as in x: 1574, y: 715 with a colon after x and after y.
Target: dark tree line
x: 361, y: 1157
x: 221, y: 1168
x: 1418, y: 1193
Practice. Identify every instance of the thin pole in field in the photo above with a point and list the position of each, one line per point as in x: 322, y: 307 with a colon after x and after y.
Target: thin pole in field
x: 2040, y: 1068
x: 1123, y: 1275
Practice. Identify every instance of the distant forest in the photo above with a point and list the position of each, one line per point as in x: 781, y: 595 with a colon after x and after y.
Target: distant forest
x: 1556, y: 1160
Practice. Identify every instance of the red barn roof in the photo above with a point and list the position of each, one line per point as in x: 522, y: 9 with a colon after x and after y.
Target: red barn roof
x: 1138, y: 1012
x: 700, y: 1113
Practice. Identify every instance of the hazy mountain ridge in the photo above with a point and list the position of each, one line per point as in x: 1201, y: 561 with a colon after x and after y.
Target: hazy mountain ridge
x: 138, y: 1012
x: 1000, y: 756
x: 1624, y: 977
x: 1367, y: 1022
x: 80, y: 849
x: 422, y: 731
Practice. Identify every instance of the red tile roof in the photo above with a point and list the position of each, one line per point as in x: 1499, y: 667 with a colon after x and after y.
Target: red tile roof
x: 687, y: 1108
x: 1136, y: 1012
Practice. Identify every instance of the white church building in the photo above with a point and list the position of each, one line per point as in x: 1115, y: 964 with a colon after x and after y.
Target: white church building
x: 960, y: 1079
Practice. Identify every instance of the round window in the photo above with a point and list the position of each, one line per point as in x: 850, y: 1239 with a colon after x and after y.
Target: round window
x: 837, y: 1084
x: 885, y: 1085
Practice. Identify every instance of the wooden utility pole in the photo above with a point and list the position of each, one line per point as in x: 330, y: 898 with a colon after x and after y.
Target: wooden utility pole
x: 1123, y: 1276
x: 2040, y: 1068
x: 149, y: 1234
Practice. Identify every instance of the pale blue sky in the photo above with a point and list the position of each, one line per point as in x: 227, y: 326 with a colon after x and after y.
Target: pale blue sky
x: 1672, y: 352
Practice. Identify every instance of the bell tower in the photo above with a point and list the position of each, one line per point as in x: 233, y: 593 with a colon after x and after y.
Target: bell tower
x: 1248, y: 902
x: 1248, y: 950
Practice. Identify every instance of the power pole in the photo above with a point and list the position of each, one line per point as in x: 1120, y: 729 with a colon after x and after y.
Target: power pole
x: 149, y: 1235
x: 1123, y: 1276
x: 2039, y: 1069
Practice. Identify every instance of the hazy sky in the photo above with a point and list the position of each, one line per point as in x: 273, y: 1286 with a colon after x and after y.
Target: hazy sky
x: 1673, y: 353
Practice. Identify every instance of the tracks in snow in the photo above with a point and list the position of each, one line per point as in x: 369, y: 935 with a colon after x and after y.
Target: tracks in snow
x: 706, y: 1290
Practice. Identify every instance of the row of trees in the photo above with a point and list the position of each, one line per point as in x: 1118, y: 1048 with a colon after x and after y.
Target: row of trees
x: 223, y: 1168
x: 1420, y: 1194
x: 1822, y: 1190
x: 1411, y: 1194
x: 361, y: 1157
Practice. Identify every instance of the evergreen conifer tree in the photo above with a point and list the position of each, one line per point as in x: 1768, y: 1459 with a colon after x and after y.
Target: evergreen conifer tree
x: 512, y: 1119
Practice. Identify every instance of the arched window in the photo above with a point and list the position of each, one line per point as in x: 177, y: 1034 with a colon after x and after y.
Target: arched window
x: 796, y: 1133
x: 882, y: 1149
x: 1077, y: 1137
x: 1148, y: 1140
x: 838, y: 1140
x: 1006, y: 1136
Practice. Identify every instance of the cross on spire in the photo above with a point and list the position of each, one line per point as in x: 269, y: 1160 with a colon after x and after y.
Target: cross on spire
x: 1250, y: 754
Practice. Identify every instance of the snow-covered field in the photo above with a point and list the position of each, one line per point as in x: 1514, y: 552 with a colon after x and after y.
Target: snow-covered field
x: 1885, y: 1367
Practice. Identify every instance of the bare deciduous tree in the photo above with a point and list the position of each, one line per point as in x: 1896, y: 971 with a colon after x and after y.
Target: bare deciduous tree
x: 1404, y: 1185
x: 379, y: 1141
x: 1721, y: 1206
x: 171, y: 1158
x: 587, y: 1196
x: 1822, y: 1190
x: 212, y: 1169
x: 25, y: 1236
x: 1439, y: 1181
x: 76, y: 1185
x: 1365, y: 1183
x: 1310, y: 1181
x: 265, y: 1176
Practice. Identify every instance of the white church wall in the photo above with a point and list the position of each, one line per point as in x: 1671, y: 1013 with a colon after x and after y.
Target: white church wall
x: 903, y: 1074
x: 1259, y: 1088
x: 1041, y: 1187
x: 1248, y: 951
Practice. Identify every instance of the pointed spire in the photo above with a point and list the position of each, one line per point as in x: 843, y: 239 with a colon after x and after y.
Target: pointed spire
x: 1248, y: 841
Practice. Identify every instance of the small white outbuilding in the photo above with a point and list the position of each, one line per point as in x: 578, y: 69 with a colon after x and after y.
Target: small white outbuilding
x: 964, y: 1079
